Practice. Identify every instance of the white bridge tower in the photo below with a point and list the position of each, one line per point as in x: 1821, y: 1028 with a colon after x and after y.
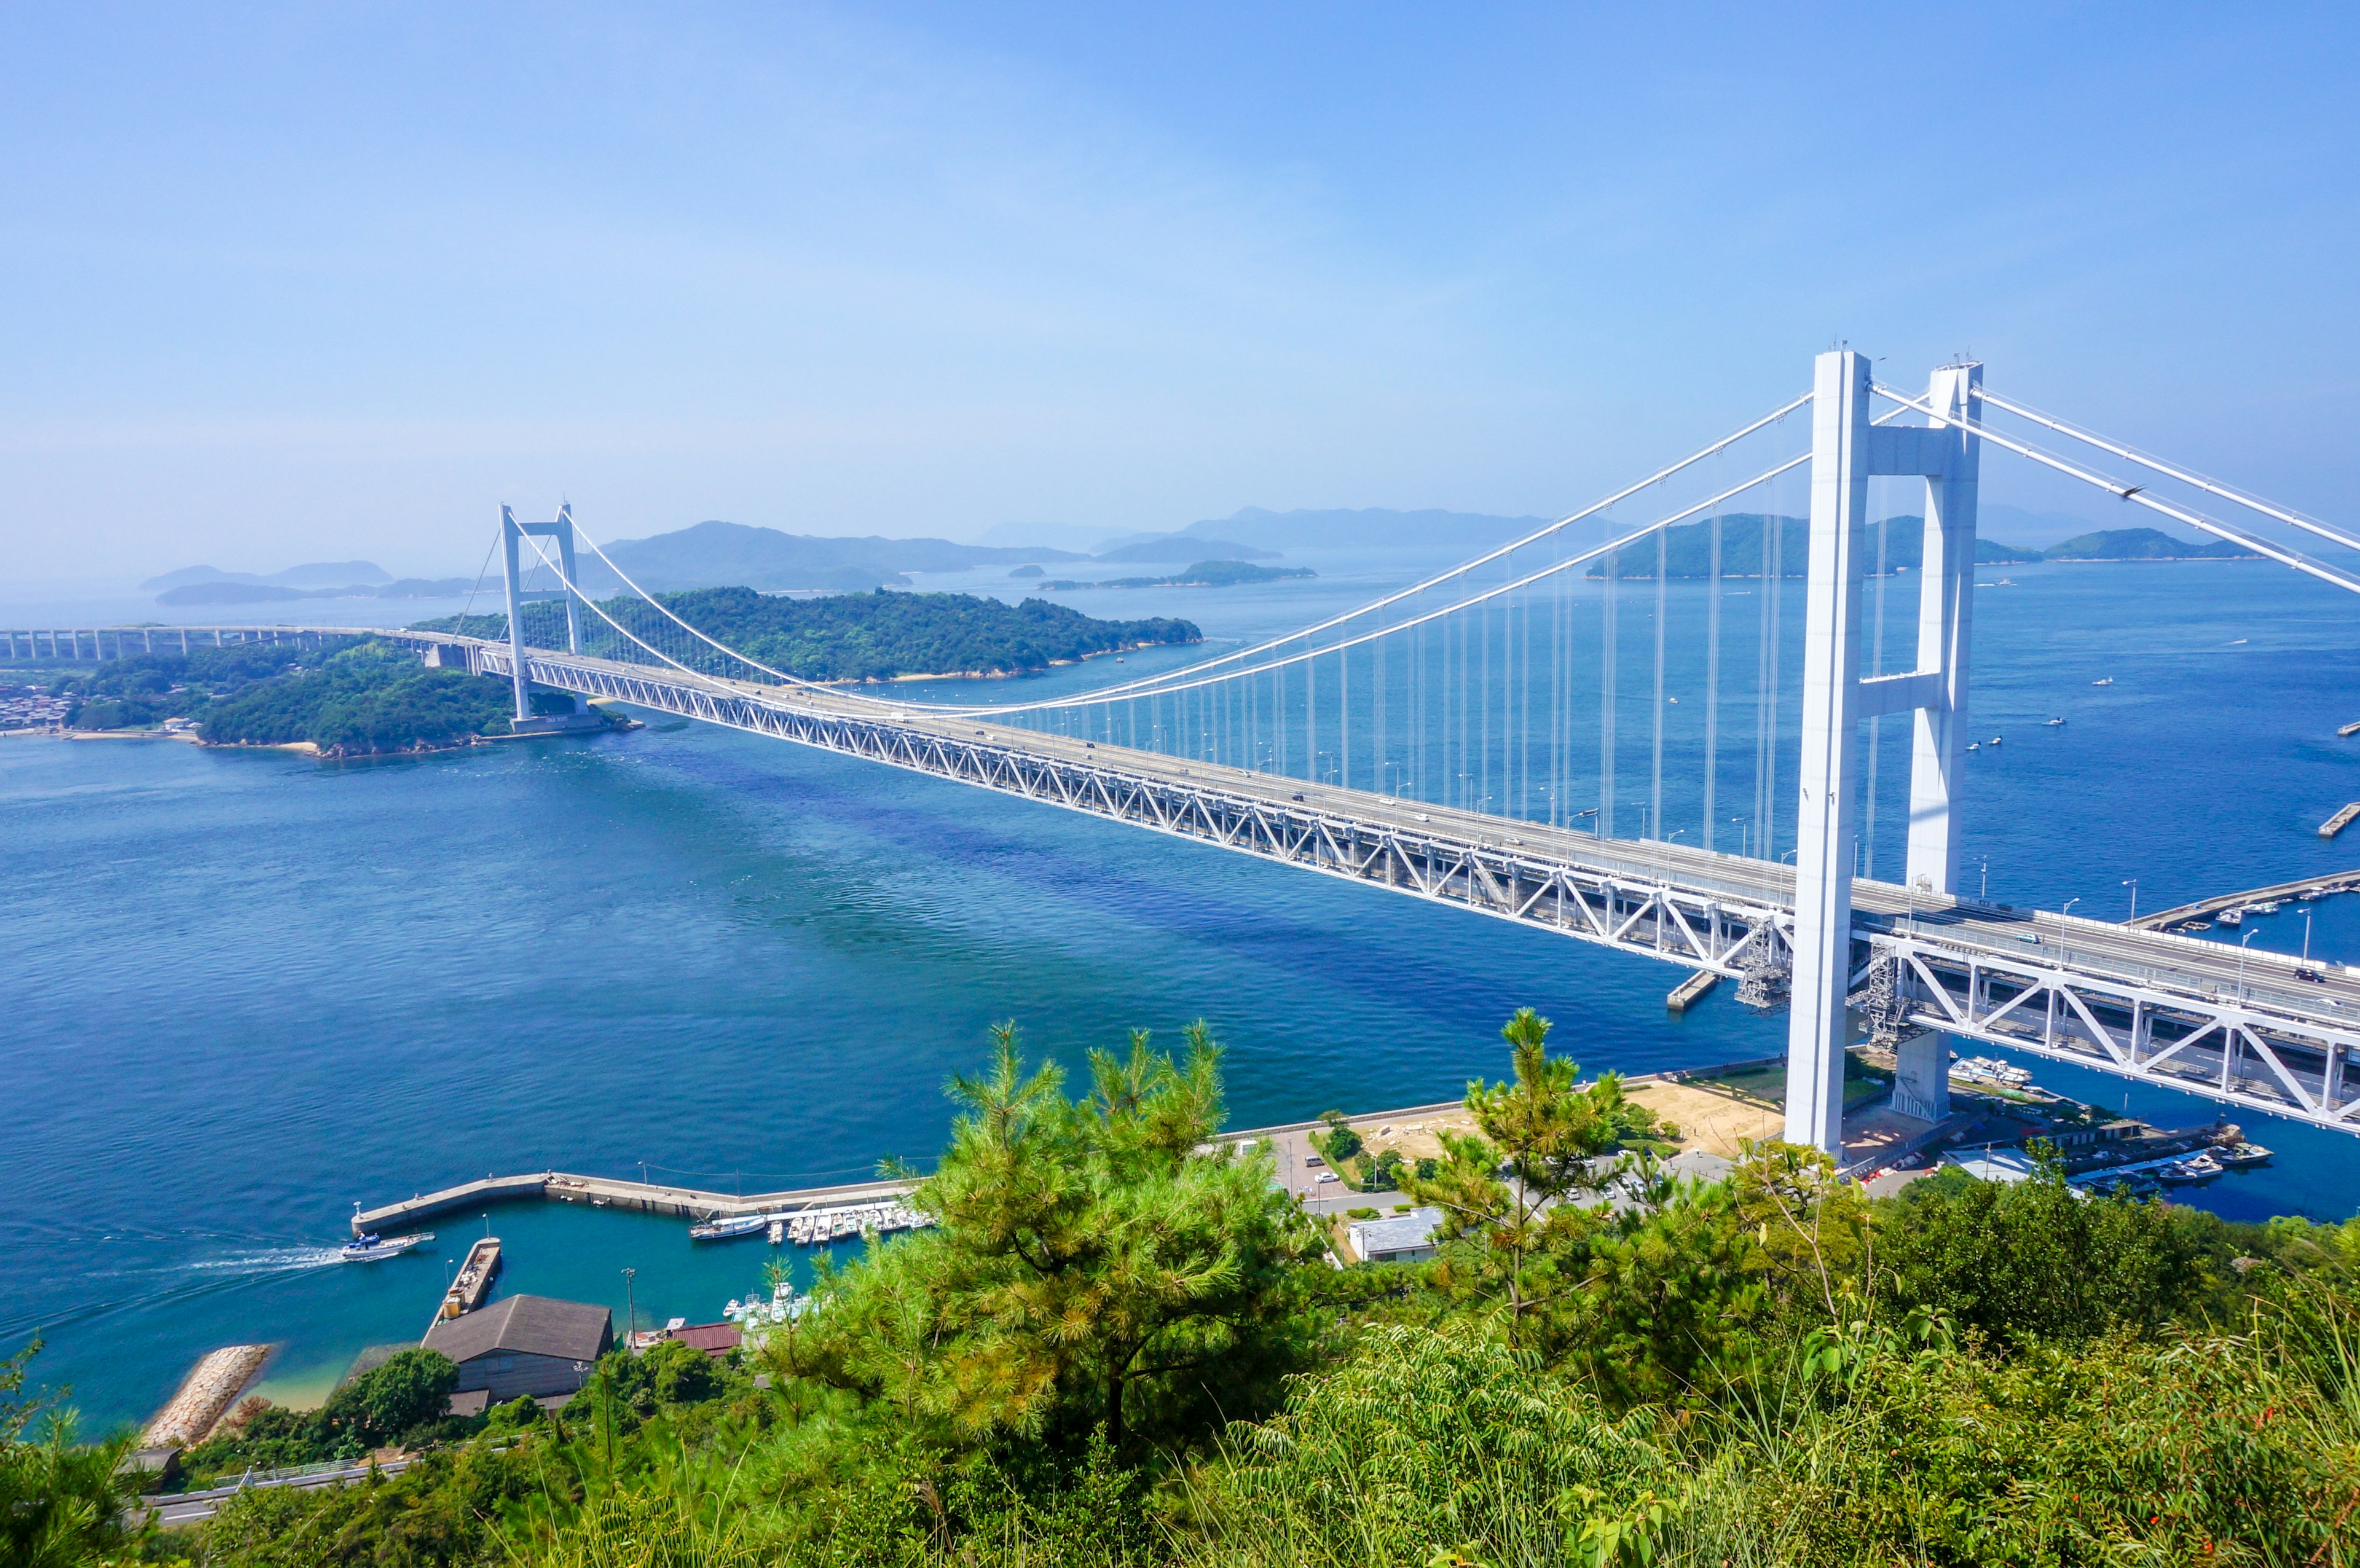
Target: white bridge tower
x: 1847, y: 450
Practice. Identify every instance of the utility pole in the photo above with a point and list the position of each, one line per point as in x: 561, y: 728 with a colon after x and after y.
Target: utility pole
x: 630, y: 1307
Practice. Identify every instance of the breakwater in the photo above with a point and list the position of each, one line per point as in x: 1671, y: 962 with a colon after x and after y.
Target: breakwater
x: 203, y: 1396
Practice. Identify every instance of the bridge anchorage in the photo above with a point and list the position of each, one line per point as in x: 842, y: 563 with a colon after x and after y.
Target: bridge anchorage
x: 1473, y: 739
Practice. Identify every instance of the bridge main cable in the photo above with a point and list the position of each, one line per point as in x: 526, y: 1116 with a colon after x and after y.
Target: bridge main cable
x: 1158, y: 685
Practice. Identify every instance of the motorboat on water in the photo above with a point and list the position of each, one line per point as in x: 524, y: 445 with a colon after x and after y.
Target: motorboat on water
x: 2229, y: 918
x: 2107, y: 681
x: 2199, y: 1167
x: 2053, y: 722
x: 372, y: 1249
x: 721, y: 1229
x: 2238, y: 1156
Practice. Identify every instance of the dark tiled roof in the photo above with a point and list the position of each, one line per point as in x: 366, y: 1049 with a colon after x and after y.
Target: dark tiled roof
x: 534, y: 1325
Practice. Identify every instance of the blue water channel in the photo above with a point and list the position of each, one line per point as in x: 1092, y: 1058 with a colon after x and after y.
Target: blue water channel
x: 245, y: 990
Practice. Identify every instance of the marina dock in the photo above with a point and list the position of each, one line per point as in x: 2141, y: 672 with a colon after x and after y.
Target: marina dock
x: 2308, y: 887
x: 609, y: 1193
x: 473, y: 1281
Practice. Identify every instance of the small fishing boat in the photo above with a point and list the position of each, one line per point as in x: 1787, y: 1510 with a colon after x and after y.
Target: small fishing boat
x: 2053, y: 722
x: 2231, y: 916
x: 2197, y: 1167
x: 372, y: 1249
x: 2238, y: 1156
x: 1975, y: 745
x: 2271, y: 908
x: 2107, y: 681
x: 778, y: 1231
x: 1994, y: 740
x: 722, y: 1230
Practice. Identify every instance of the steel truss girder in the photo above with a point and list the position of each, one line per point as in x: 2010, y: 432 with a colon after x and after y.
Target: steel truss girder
x: 2232, y: 1050
x: 1653, y: 920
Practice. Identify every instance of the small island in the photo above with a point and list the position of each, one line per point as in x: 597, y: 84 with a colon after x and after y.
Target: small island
x: 1204, y: 574
x: 880, y: 635
x: 354, y: 697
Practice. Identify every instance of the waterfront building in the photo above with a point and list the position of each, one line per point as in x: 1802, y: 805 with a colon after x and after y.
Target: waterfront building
x: 523, y: 1346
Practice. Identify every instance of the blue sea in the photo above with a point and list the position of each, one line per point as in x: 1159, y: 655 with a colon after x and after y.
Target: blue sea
x: 247, y: 990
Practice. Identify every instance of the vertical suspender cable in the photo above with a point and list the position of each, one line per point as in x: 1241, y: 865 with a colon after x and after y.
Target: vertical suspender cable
x: 1606, y: 652
x: 1344, y: 734
x: 1655, y: 779
x: 1713, y: 681
x: 1483, y: 696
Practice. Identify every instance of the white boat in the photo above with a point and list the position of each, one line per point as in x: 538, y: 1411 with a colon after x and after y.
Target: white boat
x: 372, y: 1249
x: 2229, y: 918
x: 2271, y: 908
x: 2107, y: 681
x: 778, y: 1231
x: 2056, y: 722
x: 721, y: 1230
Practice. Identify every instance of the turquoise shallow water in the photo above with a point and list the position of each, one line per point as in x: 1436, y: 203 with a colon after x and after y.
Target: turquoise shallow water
x: 245, y: 990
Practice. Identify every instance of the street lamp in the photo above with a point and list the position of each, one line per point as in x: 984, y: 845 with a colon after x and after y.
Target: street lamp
x: 2132, y: 883
x: 2306, y: 936
x: 1983, y: 894
x: 2069, y: 907
x: 2241, y: 961
x: 630, y: 1306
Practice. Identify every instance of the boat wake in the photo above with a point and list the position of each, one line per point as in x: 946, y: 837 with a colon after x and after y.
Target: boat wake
x: 272, y: 1260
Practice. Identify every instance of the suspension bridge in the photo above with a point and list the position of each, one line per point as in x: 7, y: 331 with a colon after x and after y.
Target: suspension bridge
x: 1473, y: 739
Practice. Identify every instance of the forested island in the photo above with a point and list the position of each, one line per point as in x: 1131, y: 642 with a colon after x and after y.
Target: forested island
x: 1204, y: 574
x: 880, y: 636
x: 353, y: 697
x: 1744, y: 536
x: 1120, y: 1343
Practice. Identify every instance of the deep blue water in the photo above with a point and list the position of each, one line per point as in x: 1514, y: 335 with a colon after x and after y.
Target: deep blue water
x: 245, y: 990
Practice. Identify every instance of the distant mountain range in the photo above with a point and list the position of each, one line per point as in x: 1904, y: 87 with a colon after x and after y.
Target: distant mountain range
x: 319, y: 575
x: 218, y: 591
x: 719, y: 554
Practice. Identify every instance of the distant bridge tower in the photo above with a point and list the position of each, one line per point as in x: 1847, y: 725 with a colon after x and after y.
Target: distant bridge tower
x: 512, y: 536
x: 1847, y: 450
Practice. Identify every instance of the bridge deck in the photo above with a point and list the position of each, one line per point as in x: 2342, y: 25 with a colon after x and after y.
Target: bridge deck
x: 2213, y: 1019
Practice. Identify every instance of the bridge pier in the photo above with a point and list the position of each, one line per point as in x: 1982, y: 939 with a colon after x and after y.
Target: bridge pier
x: 1848, y: 449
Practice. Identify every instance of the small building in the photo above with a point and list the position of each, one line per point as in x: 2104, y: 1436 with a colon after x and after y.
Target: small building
x: 524, y: 1346
x: 1405, y: 1239
x: 716, y: 1339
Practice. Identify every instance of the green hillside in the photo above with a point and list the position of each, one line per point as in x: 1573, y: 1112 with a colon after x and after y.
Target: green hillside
x: 857, y: 637
x: 1687, y: 548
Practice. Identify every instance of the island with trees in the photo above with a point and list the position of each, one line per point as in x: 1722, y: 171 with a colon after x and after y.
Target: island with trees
x: 350, y: 697
x: 1121, y: 1342
x: 1204, y: 574
x: 881, y: 635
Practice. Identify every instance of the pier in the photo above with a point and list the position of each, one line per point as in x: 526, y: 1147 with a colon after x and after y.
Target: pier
x: 609, y: 1193
x: 2340, y: 821
x: 2308, y: 887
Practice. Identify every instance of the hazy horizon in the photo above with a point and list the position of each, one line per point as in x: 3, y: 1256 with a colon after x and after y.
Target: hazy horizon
x: 299, y: 284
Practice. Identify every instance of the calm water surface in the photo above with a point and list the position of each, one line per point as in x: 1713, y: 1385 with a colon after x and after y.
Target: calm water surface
x: 245, y: 990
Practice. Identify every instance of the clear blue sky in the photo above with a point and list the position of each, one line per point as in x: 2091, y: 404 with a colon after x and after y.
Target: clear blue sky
x: 326, y: 281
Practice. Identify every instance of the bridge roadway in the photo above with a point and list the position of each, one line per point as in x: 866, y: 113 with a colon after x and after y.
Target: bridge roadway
x: 2233, y: 1026
x: 2206, y: 1017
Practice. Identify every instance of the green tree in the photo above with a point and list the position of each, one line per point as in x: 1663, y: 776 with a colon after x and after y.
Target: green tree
x: 60, y: 1502
x: 1088, y: 1255
x: 1507, y: 1191
x: 2033, y: 1258
x: 409, y: 1389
